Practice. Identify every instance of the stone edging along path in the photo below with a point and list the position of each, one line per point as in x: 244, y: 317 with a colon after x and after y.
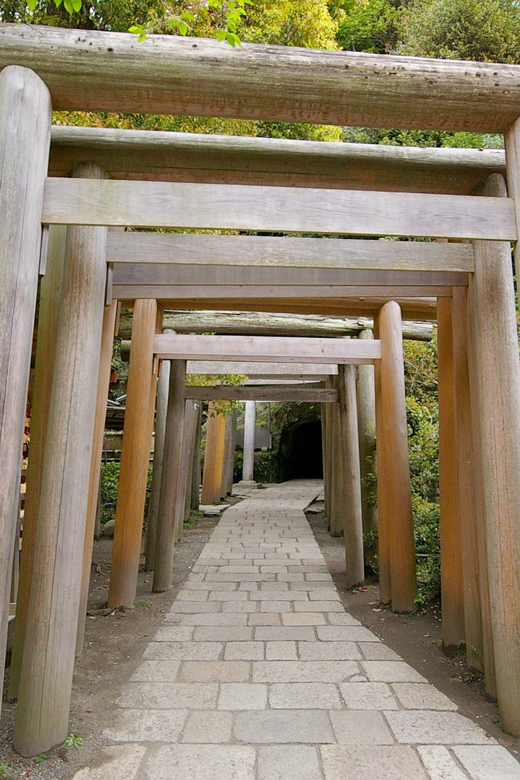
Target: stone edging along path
x: 259, y: 673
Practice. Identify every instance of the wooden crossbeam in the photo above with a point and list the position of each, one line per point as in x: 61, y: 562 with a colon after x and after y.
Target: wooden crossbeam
x: 106, y: 71
x: 270, y: 349
x: 178, y: 249
x: 274, y: 393
x: 251, y: 369
x: 276, y: 209
x: 156, y: 155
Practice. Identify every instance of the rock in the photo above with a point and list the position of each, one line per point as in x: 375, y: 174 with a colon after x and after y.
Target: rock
x: 108, y: 529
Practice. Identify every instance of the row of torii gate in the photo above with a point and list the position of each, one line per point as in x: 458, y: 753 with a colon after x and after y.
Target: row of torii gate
x: 159, y: 180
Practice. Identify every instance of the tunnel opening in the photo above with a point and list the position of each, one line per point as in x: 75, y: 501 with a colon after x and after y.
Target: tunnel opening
x: 300, y: 451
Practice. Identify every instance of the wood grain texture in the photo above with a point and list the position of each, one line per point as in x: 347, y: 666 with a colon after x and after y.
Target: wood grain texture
x: 170, y: 479
x: 353, y: 512
x: 264, y: 297
x: 52, y: 619
x: 393, y: 461
x: 165, y: 156
x: 105, y: 366
x: 196, y: 469
x: 274, y: 394
x: 366, y: 409
x: 452, y: 591
x: 270, y: 349
x: 261, y: 324
x: 213, y: 456
x: 262, y: 370
x: 383, y: 493
x: 229, y: 455
x: 135, y: 457
x: 25, y: 116
x: 279, y: 209
x: 163, y: 384
x: 336, y: 515
x: 470, y: 498
x: 177, y: 249
x: 498, y: 384
x: 48, y: 312
x: 103, y: 71
x: 186, y: 462
x: 512, y: 148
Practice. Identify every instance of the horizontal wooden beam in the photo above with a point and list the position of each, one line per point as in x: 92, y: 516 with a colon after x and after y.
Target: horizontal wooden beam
x: 273, y: 393
x: 263, y: 324
x: 251, y: 369
x: 276, y: 209
x: 168, y: 294
x: 217, y: 159
x: 104, y: 71
x: 270, y: 349
x: 178, y: 249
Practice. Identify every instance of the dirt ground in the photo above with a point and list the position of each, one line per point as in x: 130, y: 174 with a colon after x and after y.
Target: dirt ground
x: 115, y: 642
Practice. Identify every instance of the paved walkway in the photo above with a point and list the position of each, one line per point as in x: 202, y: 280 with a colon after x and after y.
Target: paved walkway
x: 258, y: 673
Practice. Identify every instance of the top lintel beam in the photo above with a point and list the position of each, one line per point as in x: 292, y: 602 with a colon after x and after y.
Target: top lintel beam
x: 105, y: 71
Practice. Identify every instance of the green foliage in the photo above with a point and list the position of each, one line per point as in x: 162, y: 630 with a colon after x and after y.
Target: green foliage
x: 367, y: 26
x: 74, y: 740
x: 109, y: 482
x: 482, y: 30
x: 42, y: 757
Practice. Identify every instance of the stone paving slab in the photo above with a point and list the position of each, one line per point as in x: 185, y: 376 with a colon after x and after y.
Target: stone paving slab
x: 258, y: 673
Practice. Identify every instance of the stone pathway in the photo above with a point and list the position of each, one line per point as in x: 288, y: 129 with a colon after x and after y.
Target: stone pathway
x: 258, y: 673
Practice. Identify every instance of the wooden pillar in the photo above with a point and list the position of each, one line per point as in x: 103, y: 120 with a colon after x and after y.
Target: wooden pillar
x: 214, y: 455
x: 249, y: 443
x: 352, y: 509
x: 450, y: 532
x: 50, y: 296
x: 229, y: 455
x: 393, y: 471
x: 166, y: 529
x: 498, y: 371
x: 327, y: 452
x: 337, y: 481
x: 469, y: 489
x: 383, y: 516
x: 478, y: 493
x: 195, y: 477
x: 25, y: 126
x: 193, y: 456
x: 163, y: 384
x: 105, y: 365
x: 52, y: 618
x: 135, y: 456
x: 366, y: 406
x: 186, y: 464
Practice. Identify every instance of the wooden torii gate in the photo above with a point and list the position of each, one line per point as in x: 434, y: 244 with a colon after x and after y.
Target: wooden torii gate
x: 479, y: 371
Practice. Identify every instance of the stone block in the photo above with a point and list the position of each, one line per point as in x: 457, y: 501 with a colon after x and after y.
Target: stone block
x: 313, y: 696
x: 207, y: 727
x: 391, y: 671
x: 214, y: 671
x: 264, y: 619
x: 488, y: 763
x: 418, y: 696
x: 368, y: 696
x: 360, y: 727
x: 394, y: 762
x: 345, y: 634
x: 303, y: 619
x: 288, y: 762
x: 303, y: 671
x: 281, y: 651
x: 439, y: 763
x: 435, y: 728
x: 329, y: 651
x: 117, y: 762
x: 225, y: 633
x: 156, y: 671
x: 244, y: 651
x: 283, y: 727
x: 202, y: 762
x: 242, y: 696
x: 146, y: 726
x: 169, y: 696
x: 183, y: 651
x: 284, y: 633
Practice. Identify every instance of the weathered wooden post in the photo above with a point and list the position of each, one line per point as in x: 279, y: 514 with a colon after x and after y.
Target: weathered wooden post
x: 478, y: 493
x: 249, y: 445
x: 214, y: 455
x: 366, y: 406
x: 25, y: 126
x: 229, y: 455
x: 170, y: 483
x: 186, y: 464
x: 352, y: 510
x: 196, y: 471
x: 498, y: 371
x: 337, y: 468
x: 52, y: 618
x: 105, y: 365
x: 470, y: 489
x: 163, y: 384
x: 50, y: 296
x: 135, y: 456
x: 393, y: 471
x: 450, y: 531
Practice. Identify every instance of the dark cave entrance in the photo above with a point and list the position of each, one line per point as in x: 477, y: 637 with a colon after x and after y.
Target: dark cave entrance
x: 300, y: 452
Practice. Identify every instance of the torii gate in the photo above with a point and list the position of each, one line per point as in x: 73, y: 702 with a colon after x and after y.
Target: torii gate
x: 105, y: 71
